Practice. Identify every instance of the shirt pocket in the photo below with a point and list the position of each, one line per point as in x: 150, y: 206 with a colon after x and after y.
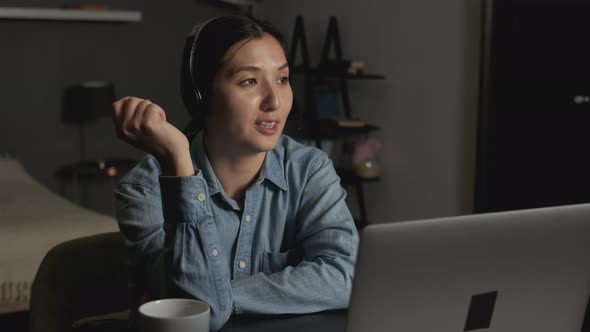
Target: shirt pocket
x: 273, y: 262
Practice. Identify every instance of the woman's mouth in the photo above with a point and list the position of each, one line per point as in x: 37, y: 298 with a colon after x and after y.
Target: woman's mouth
x: 267, y: 124
x: 268, y: 127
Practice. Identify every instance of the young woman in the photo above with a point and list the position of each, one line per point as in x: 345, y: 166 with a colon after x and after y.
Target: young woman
x: 240, y: 216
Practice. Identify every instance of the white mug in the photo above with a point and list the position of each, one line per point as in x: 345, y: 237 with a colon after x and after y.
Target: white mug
x: 174, y: 315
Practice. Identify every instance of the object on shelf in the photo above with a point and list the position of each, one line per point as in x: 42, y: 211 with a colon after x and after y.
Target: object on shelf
x: 368, y: 169
x: 356, y: 67
x: 326, y: 102
x: 364, y: 157
x: 351, y: 123
x: 344, y: 124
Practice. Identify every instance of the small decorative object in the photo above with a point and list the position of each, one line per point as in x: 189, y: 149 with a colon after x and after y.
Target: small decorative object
x: 356, y: 67
x: 326, y: 99
x: 364, y: 157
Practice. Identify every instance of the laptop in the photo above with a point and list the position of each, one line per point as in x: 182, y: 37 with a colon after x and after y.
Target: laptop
x: 521, y: 271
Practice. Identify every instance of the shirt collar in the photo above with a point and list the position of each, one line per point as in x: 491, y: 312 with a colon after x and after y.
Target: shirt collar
x: 272, y: 169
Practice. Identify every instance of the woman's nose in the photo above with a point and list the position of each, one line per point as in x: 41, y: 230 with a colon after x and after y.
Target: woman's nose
x: 272, y: 100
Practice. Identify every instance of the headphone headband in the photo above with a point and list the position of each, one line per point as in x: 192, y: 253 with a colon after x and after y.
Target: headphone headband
x: 196, y: 32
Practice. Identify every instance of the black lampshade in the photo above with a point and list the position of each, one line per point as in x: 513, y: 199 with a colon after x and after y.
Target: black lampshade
x: 88, y: 101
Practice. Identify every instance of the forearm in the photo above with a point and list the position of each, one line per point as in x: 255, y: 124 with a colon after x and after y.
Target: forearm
x: 170, y: 237
x: 308, y: 287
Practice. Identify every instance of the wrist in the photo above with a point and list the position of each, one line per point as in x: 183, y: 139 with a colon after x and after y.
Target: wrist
x: 178, y: 165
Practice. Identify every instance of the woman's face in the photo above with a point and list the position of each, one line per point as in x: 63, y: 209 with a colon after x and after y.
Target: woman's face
x: 252, y: 96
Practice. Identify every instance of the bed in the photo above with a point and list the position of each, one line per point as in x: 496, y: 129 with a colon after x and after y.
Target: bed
x: 32, y: 221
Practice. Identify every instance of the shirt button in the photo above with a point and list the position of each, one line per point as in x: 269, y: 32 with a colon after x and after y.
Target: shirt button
x: 242, y: 264
x: 215, y: 252
x: 248, y: 218
x: 201, y: 197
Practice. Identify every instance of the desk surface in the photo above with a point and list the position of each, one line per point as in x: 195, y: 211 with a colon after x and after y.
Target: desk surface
x: 327, y: 321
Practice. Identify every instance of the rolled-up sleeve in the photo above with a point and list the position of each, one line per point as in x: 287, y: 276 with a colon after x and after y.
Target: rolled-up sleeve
x: 172, y: 240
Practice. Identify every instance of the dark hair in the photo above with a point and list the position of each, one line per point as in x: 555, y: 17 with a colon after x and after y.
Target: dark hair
x: 214, y: 39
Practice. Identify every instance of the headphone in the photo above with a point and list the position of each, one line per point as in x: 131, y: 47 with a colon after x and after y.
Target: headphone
x: 193, y: 97
x: 199, y: 96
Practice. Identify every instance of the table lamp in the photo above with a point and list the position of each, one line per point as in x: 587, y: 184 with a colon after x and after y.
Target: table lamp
x: 86, y: 102
x: 83, y: 104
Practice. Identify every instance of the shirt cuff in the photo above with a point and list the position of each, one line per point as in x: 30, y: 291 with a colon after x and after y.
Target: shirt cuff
x: 184, y: 198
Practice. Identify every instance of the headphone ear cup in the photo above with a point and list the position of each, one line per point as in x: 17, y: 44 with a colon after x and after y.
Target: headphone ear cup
x: 199, y: 96
x: 191, y: 97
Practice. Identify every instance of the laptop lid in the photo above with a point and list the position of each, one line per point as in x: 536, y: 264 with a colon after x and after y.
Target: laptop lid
x: 526, y: 270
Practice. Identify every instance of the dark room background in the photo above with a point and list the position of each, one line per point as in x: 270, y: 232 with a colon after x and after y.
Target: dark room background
x: 426, y: 106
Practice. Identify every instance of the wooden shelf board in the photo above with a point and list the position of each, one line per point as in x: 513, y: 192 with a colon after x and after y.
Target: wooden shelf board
x: 332, y: 73
x: 325, y: 129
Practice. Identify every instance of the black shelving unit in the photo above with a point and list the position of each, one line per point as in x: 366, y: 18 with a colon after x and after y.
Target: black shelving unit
x: 335, y: 71
x: 330, y: 130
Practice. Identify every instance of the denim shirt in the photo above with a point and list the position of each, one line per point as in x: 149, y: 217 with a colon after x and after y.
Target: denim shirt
x: 290, y: 249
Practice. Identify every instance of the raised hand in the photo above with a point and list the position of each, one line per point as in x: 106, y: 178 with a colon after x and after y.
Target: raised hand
x: 143, y: 124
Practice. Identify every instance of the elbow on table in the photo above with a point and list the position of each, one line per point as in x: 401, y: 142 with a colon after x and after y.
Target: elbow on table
x: 342, y: 286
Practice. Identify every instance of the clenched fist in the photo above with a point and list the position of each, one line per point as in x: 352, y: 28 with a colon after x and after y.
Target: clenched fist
x: 143, y: 124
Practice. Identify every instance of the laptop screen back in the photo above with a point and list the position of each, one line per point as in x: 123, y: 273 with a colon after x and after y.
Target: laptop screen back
x: 526, y: 270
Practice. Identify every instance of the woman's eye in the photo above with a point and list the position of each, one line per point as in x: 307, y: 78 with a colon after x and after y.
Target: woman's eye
x: 248, y: 82
x: 284, y: 80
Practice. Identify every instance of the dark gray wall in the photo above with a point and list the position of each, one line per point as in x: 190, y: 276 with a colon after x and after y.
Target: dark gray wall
x: 429, y: 52
x: 39, y: 58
